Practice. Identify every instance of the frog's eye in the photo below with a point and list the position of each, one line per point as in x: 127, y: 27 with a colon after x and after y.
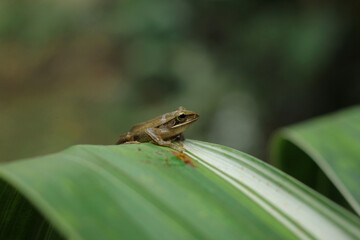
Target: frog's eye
x: 181, y: 117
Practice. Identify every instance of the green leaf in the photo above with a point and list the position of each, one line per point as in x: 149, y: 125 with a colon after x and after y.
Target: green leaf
x: 324, y: 153
x: 143, y: 191
x: 304, y: 212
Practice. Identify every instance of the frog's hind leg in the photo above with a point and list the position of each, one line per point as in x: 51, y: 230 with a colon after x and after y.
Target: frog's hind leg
x: 126, y: 139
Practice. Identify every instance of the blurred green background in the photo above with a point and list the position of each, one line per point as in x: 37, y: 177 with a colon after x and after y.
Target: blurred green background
x: 83, y: 72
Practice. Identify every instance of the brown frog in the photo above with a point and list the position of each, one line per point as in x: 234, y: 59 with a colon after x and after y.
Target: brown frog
x: 162, y: 130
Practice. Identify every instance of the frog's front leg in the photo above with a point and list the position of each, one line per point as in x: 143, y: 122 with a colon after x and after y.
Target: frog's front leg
x: 179, y: 139
x: 155, y: 135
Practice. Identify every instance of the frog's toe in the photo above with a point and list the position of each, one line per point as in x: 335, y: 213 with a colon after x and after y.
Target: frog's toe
x: 180, y: 149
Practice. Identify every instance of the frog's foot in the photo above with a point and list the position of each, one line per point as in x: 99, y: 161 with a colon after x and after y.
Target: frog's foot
x: 177, y: 147
x: 131, y: 142
x: 180, y: 143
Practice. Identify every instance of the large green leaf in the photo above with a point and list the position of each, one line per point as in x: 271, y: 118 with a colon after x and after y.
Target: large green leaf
x: 303, y: 211
x: 328, y: 145
x: 143, y: 191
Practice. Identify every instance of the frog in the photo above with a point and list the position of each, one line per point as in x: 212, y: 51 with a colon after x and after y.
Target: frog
x: 162, y: 130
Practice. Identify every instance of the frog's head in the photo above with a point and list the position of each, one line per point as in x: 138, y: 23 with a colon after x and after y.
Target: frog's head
x: 184, y: 118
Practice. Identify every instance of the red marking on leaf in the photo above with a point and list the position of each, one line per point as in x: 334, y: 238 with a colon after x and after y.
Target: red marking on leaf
x: 184, y: 157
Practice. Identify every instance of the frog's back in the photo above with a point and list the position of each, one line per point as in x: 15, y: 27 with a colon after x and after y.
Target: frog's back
x: 153, y: 123
x: 142, y: 126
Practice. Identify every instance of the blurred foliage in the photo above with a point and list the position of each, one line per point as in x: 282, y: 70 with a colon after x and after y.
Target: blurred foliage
x: 324, y: 154
x: 85, y: 71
